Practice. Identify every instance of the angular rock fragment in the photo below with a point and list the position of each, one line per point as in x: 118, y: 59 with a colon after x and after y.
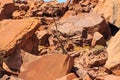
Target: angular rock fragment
x: 17, y: 33
x: 83, y: 27
x: 43, y: 37
x: 54, y: 66
x: 98, y: 39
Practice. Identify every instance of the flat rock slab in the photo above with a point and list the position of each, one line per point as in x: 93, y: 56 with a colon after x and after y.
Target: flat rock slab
x: 49, y: 67
x: 89, y: 21
x: 13, y: 31
x: 113, y: 62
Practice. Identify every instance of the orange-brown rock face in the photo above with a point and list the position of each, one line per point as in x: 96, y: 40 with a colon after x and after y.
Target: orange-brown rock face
x: 49, y: 67
x: 70, y: 76
x: 85, y: 25
x: 110, y: 9
x: 113, y: 49
x: 112, y: 77
x: 16, y: 32
x: 90, y: 22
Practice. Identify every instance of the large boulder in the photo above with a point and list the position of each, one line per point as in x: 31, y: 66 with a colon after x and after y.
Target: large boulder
x: 113, y: 62
x: 18, y: 34
x: 49, y: 67
x: 81, y: 28
x: 89, y: 22
x: 110, y: 10
x: 6, y: 9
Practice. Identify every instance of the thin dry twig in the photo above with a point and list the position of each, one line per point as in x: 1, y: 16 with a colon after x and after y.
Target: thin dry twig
x: 57, y: 36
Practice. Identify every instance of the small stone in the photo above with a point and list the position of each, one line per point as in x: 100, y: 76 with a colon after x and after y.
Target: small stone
x: 43, y: 37
x: 98, y: 39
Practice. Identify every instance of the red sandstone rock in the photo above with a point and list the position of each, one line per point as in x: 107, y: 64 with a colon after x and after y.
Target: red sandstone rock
x: 17, y: 32
x: 90, y: 22
x: 49, y: 67
x: 98, y: 39
x: 69, y: 76
x: 113, y: 50
x: 112, y: 77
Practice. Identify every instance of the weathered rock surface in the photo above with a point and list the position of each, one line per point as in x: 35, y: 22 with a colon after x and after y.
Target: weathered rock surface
x: 20, y: 60
x: 38, y: 9
x: 112, y: 77
x: 27, y: 58
x: 86, y: 21
x: 81, y: 28
x: 17, y: 32
x: 69, y: 76
x: 67, y: 28
x: 110, y: 10
x: 98, y: 39
x: 7, y: 7
x: 113, y: 62
x: 83, y: 5
x: 49, y: 67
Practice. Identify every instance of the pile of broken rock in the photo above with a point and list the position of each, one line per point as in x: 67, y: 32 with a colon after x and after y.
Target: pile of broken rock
x: 57, y: 41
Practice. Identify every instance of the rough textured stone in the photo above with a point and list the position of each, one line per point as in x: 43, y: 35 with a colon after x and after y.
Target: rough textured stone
x: 89, y: 22
x: 20, y: 60
x: 27, y: 58
x: 113, y: 62
x: 98, y: 39
x: 68, y: 14
x: 43, y: 37
x: 112, y: 77
x: 49, y: 67
x: 110, y: 10
x: 69, y: 76
x: 17, y: 32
